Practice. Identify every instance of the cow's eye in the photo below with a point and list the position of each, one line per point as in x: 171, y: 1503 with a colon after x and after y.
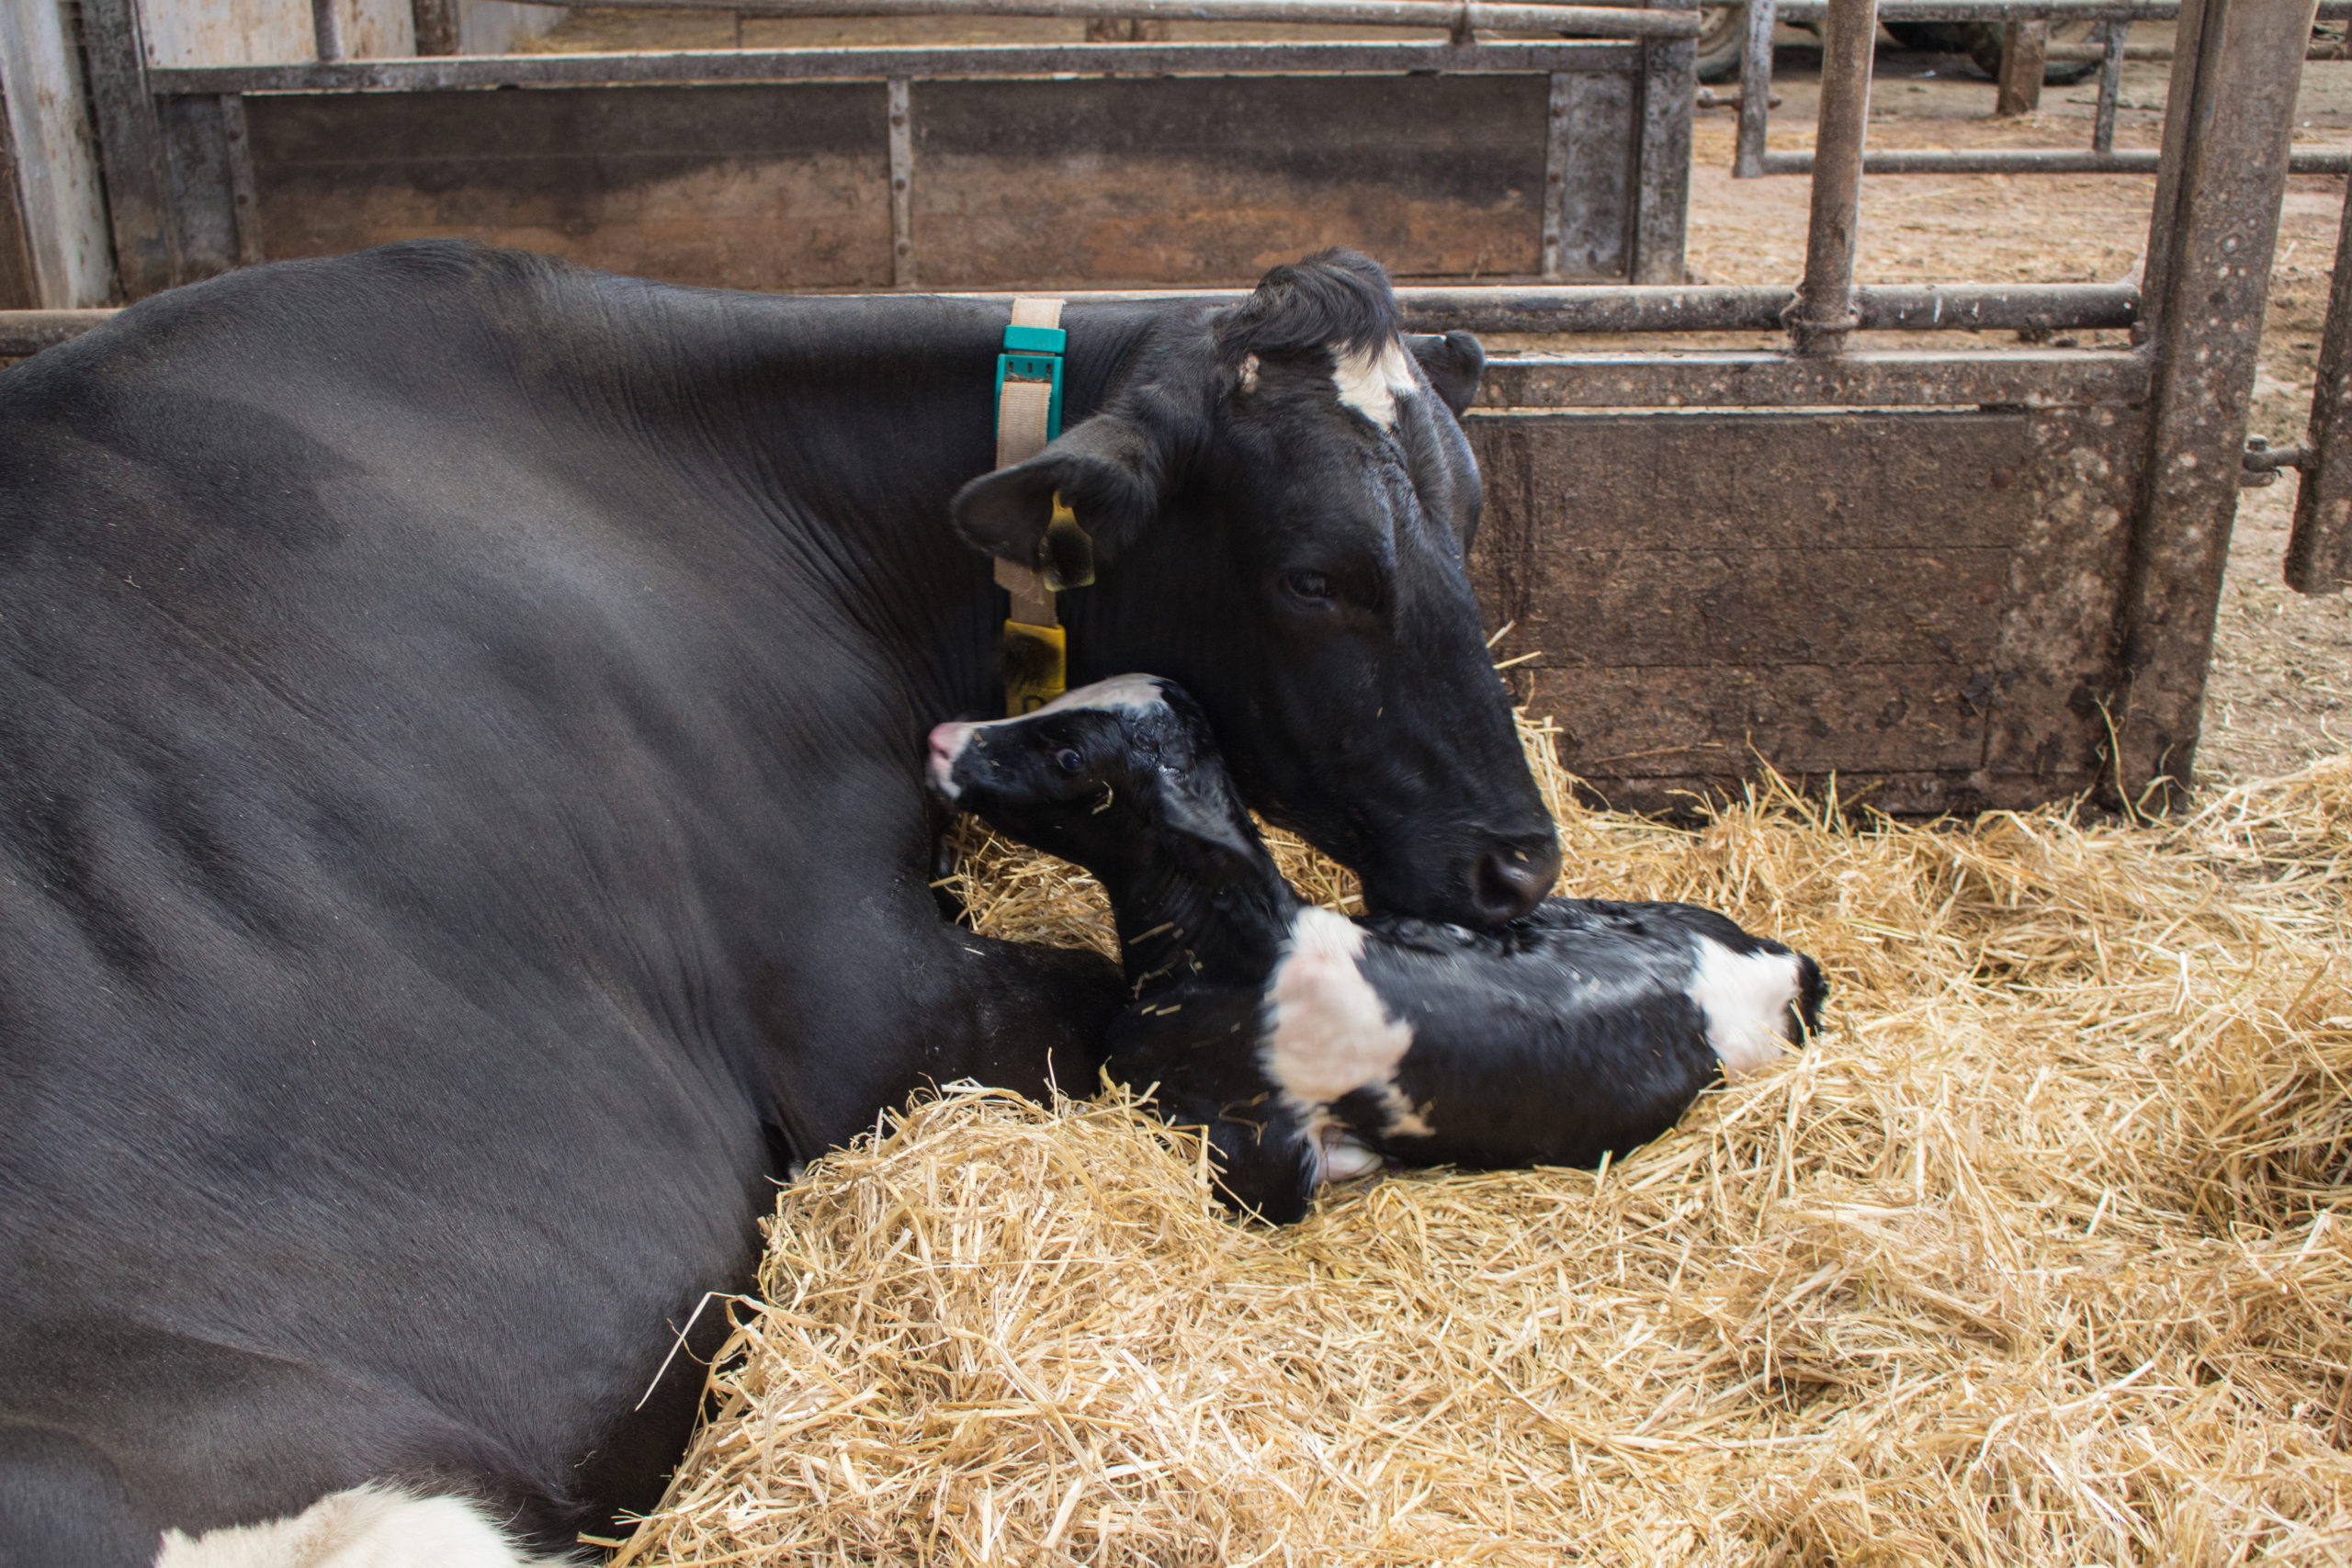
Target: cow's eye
x: 1070, y: 761
x: 1312, y: 586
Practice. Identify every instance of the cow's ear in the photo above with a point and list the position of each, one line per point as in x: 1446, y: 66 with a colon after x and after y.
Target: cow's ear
x: 1106, y: 469
x: 1453, y: 364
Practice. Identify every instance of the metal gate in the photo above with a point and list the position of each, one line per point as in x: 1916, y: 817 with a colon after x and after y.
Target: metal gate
x: 1956, y: 578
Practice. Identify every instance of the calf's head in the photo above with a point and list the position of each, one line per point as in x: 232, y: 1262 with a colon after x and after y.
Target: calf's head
x: 1280, y: 501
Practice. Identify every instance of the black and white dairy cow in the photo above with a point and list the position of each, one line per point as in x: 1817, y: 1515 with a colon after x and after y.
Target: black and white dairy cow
x: 462, y: 831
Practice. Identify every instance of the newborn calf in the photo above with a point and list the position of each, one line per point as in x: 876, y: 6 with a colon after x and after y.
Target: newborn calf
x: 1309, y: 1044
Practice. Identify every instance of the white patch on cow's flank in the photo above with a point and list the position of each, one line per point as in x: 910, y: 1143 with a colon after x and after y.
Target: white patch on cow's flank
x: 1371, y: 380
x: 1328, y: 1034
x: 368, y: 1526
x: 1748, y: 1000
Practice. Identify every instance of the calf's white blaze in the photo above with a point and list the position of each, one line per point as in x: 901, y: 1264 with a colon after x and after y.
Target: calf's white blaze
x: 1328, y: 1034
x: 1748, y: 1000
x: 1128, y: 694
x: 1371, y: 380
x: 368, y: 1526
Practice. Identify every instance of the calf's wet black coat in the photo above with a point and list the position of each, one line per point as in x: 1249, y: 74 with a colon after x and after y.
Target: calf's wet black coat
x: 461, y: 830
x: 1295, y: 1038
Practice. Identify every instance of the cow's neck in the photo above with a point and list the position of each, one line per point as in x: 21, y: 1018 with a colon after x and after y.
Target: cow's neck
x: 1178, y: 929
x: 867, y: 420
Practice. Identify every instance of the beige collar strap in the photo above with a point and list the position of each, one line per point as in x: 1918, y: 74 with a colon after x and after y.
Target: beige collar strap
x: 1027, y: 408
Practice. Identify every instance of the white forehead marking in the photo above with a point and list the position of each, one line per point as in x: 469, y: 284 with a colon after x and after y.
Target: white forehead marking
x: 1327, y: 1032
x: 1129, y: 693
x: 1370, y: 382
x: 1134, y: 694
x: 1748, y: 1000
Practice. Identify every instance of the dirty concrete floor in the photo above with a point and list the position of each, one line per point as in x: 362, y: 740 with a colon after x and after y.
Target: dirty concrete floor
x: 2281, y: 685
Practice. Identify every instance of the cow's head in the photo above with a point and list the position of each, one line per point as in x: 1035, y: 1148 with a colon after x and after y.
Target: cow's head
x: 1280, y: 501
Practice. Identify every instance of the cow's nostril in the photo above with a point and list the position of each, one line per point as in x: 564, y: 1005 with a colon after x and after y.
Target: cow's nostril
x: 1509, y: 882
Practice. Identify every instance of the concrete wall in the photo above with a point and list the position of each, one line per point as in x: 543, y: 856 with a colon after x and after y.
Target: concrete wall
x: 268, y: 32
x: 265, y: 32
x: 493, y: 26
x: 58, y: 196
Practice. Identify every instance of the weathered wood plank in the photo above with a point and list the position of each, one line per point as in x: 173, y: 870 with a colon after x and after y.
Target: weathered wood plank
x: 734, y: 188
x: 1921, y: 598
x: 1762, y: 606
x: 2022, y: 377
x: 1211, y: 180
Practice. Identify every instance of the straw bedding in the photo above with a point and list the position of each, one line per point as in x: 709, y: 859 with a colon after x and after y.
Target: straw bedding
x: 2033, y: 1257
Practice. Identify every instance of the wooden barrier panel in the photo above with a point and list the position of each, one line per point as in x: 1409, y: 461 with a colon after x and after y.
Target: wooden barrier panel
x: 769, y: 187
x: 1016, y: 182
x: 1922, y: 602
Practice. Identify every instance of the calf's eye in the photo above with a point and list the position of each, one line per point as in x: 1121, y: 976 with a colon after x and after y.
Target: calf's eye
x: 1070, y: 761
x: 1310, y: 585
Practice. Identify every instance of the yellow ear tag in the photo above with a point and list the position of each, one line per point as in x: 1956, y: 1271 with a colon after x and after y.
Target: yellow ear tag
x: 1037, y: 667
x: 1066, y: 542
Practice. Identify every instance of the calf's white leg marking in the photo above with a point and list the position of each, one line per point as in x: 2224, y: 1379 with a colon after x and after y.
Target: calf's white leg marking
x: 1371, y: 380
x: 1748, y: 1000
x: 368, y: 1526
x: 1328, y: 1034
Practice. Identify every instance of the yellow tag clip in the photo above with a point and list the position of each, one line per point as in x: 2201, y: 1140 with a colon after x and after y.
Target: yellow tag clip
x: 1037, y: 667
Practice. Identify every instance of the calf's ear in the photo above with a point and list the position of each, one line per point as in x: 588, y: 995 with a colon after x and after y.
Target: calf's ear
x: 1107, y: 470
x: 1453, y: 364
x: 1204, y: 830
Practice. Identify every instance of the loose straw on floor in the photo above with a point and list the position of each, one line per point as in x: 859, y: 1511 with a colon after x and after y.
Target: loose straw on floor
x: 2034, y: 1257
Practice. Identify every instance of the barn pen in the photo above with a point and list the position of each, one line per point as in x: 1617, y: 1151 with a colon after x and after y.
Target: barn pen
x: 2034, y: 1256
x: 2009, y: 557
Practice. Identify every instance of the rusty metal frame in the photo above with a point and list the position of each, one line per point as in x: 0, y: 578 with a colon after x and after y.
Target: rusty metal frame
x: 200, y: 222
x: 2147, y: 437
x: 1752, y: 160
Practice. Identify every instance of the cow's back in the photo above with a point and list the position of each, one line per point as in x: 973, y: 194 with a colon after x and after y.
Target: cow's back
x: 359, y: 897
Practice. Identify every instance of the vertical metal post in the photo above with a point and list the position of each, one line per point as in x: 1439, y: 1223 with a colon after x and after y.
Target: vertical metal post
x: 19, y: 287
x: 2110, y: 85
x: 1555, y: 175
x: 2023, y: 46
x: 244, y: 194
x: 2230, y: 116
x: 1823, y: 312
x: 902, y: 175
x: 1668, y: 80
x: 2319, y: 552
x: 1755, y: 91
x: 326, y: 30
x: 130, y: 149
x: 437, y: 26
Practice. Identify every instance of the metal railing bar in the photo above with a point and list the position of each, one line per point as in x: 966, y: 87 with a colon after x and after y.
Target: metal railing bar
x: 2036, y: 161
x: 1607, y: 18
x: 1823, y: 313
x: 2110, y: 85
x: 2026, y: 10
x: 927, y: 62
x: 326, y: 30
x: 1545, y: 308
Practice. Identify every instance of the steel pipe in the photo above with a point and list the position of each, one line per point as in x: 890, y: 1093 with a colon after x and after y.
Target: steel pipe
x: 918, y: 62
x: 1823, y: 312
x: 326, y: 30
x: 2037, y: 161
x: 1547, y: 307
x: 1455, y: 16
